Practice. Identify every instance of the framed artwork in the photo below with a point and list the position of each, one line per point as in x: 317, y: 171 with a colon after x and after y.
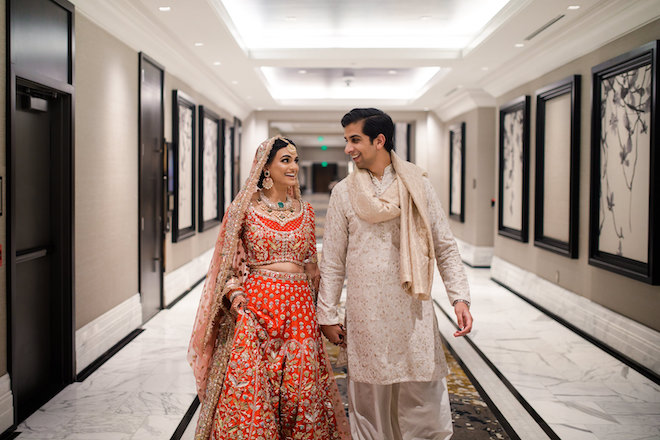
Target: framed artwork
x: 557, y: 178
x: 236, y: 157
x: 513, y: 200
x: 457, y: 172
x: 183, y: 139
x: 228, y: 174
x: 211, y: 169
x: 625, y: 182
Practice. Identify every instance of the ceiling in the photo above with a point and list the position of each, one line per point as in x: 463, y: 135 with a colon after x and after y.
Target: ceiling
x: 407, y: 55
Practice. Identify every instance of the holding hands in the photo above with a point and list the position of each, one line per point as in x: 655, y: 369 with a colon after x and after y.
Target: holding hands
x: 335, y: 333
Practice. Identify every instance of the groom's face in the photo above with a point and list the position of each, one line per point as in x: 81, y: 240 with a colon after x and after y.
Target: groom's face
x: 362, y: 150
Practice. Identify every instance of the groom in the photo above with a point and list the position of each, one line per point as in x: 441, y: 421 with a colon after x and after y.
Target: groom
x: 384, y: 229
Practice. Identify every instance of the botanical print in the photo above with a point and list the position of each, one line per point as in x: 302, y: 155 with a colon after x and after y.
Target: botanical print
x: 624, y: 164
x: 185, y: 167
x: 456, y: 171
x: 512, y: 170
x: 228, y: 168
x: 210, y: 167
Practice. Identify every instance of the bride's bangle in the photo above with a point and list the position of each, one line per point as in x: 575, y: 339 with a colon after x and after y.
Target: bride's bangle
x: 234, y: 294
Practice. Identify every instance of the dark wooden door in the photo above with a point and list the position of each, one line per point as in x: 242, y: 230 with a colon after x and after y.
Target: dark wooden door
x: 151, y: 187
x: 322, y: 176
x: 39, y: 315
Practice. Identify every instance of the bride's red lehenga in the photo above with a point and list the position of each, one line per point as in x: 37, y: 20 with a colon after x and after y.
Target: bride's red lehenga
x: 272, y: 379
x: 278, y: 383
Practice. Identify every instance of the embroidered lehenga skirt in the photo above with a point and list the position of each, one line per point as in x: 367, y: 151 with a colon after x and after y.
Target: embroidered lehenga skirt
x: 278, y: 383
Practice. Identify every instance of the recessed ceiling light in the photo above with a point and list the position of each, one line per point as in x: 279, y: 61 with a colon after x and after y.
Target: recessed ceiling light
x: 302, y: 71
x: 259, y: 108
x: 199, y: 44
x: 519, y: 45
x: 485, y: 68
x: 217, y: 63
x: 291, y: 18
x: 425, y: 17
x: 164, y: 8
x: 392, y: 72
x: 573, y: 7
x: 426, y: 109
x: 248, y: 97
x: 234, y: 82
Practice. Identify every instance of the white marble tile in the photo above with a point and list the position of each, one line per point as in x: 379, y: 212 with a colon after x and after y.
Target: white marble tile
x: 573, y: 385
x: 573, y: 432
x: 42, y: 424
x: 628, y: 432
x: 149, y: 403
x: 569, y: 391
x: 103, y: 425
x: 141, y: 393
x: 572, y: 413
x: 75, y: 401
x: 631, y: 408
x: 157, y: 428
x: 633, y: 392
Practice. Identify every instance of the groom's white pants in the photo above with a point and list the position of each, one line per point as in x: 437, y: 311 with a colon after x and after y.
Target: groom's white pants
x: 400, y: 411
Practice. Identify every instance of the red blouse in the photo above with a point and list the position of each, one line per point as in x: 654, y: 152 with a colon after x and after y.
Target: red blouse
x: 267, y: 240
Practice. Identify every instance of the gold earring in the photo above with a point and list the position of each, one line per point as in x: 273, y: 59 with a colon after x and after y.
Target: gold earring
x: 267, y: 182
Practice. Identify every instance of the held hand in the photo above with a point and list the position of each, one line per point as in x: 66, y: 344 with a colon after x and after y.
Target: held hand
x: 238, y: 305
x: 464, y: 319
x: 316, y: 279
x: 335, y: 334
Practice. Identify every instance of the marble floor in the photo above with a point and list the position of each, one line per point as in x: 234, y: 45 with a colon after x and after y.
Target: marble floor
x: 575, y: 389
x: 141, y: 393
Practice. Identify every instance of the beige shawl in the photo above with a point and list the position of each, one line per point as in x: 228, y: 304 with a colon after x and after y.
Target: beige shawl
x: 407, y: 199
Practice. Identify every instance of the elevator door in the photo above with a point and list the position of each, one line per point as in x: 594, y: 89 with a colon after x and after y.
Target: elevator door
x: 38, y: 304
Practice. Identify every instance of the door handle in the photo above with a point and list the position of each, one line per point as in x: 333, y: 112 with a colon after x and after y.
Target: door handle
x: 30, y: 254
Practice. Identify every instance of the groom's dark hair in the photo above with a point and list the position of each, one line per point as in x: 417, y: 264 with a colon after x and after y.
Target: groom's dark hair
x: 375, y: 122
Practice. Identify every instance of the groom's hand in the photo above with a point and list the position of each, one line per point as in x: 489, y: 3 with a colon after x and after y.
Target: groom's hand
x: 464, y: 319
x: 335, y: 334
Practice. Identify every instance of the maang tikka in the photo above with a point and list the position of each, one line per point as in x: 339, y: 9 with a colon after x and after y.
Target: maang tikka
x: 267, y: 182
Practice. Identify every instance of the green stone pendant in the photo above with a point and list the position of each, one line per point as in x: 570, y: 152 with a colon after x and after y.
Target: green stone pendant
x: 280, y: 204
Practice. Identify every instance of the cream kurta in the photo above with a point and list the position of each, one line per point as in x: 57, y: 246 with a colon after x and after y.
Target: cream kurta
x: 391, y: 336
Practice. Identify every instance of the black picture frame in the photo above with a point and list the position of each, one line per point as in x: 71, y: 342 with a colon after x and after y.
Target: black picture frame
x: 625, y: 95
x: 210, y: 142
x: 183, y: 140
x: 457, y: 166
x: 236, y: 137
x: 514, y: 138
x: 568, y: 86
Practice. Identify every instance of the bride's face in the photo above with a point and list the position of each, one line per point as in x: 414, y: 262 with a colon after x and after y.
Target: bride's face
x: 284, y: 168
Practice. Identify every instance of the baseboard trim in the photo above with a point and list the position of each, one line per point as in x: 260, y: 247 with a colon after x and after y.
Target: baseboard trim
x: 179, y: 281
x: 183, y: 295
x: 6, y: 404
x: 84, y: 374
x: 475, y: 256
x: 97, y: 337
x: 633, y: 343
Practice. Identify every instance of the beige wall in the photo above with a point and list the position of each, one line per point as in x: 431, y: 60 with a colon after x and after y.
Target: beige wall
x: 634, y: 299
x: 178, y: 254
x: 479, y: 170
x: 3, y: 173
x: 106, y: 172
